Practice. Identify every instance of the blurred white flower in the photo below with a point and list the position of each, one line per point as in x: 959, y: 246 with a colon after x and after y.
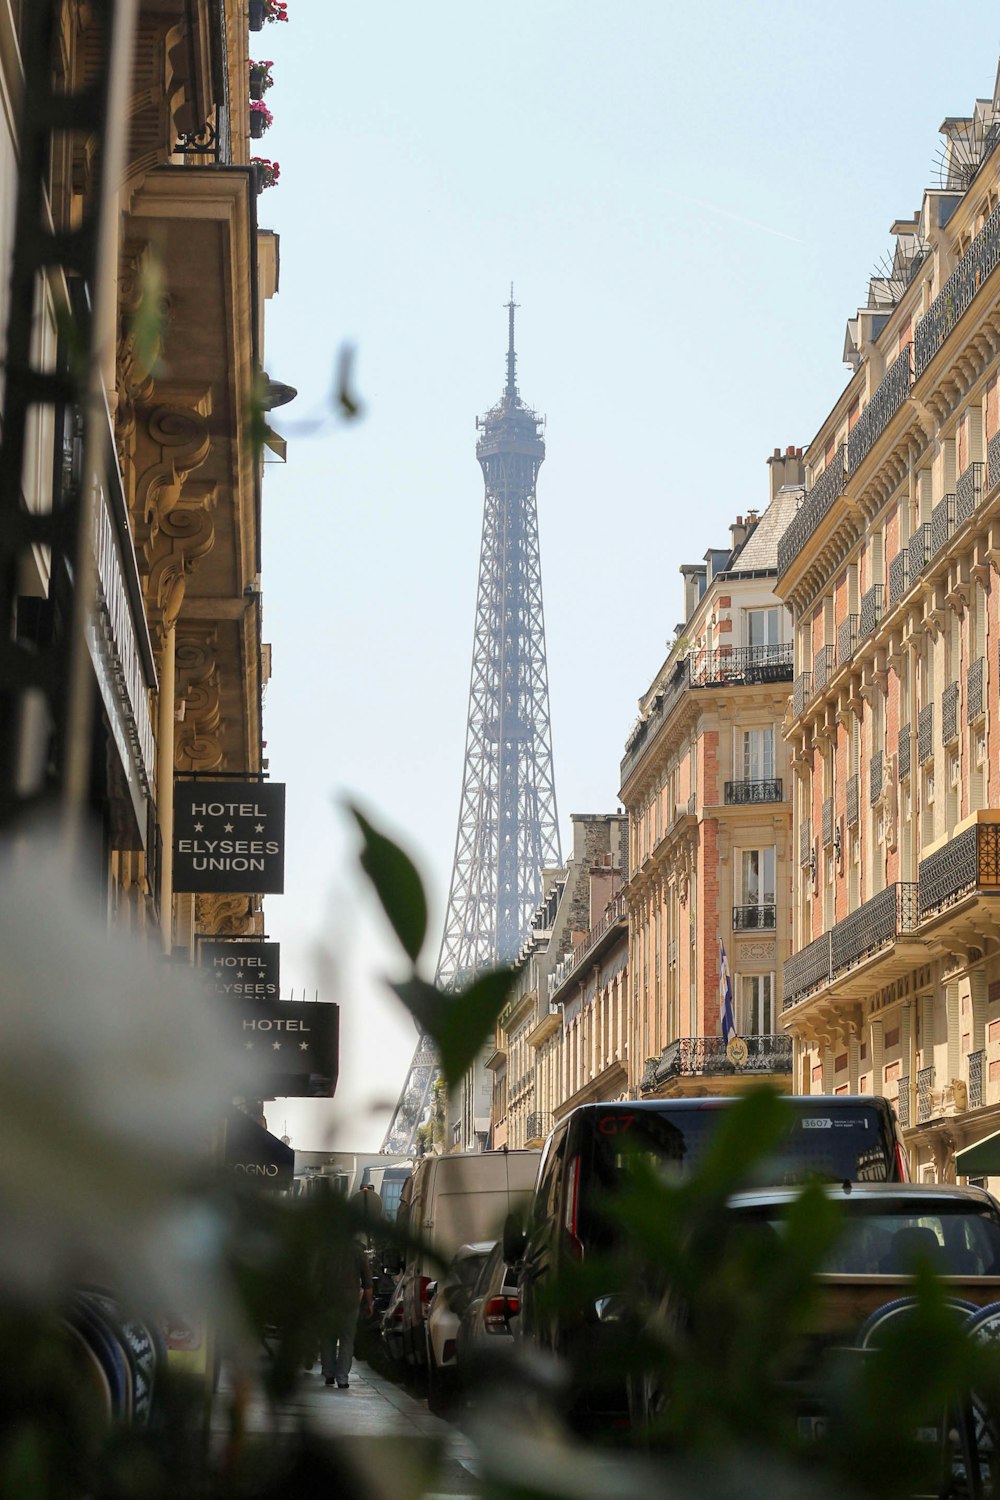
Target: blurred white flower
x: 114, y: 1081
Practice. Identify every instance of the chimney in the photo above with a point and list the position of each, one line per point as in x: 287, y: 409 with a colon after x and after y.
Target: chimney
x: 738, y: 532
x: 786, y: 468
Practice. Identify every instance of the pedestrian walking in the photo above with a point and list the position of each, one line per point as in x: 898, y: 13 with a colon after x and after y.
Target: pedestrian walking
x: 347, y: 1283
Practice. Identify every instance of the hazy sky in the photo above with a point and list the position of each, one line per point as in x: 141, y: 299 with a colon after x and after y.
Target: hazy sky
x: 690, y: 201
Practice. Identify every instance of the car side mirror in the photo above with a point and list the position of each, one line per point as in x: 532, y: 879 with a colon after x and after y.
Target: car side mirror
x: 514, y: 1240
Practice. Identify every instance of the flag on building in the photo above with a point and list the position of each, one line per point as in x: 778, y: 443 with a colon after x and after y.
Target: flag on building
x: 726, y: 1017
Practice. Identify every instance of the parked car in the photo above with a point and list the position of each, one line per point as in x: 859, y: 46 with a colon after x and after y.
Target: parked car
x: 392, y: 1331
x: 486, y: 1327
x: 450, y: 1298
x: 451, y: 1201
x: 843, y: 1138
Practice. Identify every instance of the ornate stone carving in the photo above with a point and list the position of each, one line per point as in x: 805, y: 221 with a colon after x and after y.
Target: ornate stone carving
x: 198, y: 744
x: 173, y: 523
x: 226, y: 914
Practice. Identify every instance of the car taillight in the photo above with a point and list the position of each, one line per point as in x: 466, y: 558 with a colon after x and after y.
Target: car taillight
x: 901, y: 1166
x: 425, y: 1293
x: 497, y: 1313
x: 573, y: 1208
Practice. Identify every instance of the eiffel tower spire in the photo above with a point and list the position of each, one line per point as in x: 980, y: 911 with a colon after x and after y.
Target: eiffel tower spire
x: 507, y: 825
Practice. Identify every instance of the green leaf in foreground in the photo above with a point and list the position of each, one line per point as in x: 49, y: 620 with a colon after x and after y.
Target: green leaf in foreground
x: 397, y: 885
x: 458, y: 1024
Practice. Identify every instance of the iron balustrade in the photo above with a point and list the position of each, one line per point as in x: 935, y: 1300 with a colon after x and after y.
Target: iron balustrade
x: 875, y: 777
x: 616, y: 914
x: 925, y: 1086
x: 810, y: 513
x: 847, y: 639
x: 750, y: 918
x: 957, y: 293
x: 899, y: 575
x: 903, y: 751
x: 805, y: 842
x: 827, y: 822
x: 886, y: 400
x: 823, y: 665
x: 903, y: 1101
x: 974, y: 695
x: 993, y: 459
x: 801, y: 693
x: 942, y: 523
x: 920, y: 551
x: 538, y: 1125
x: 968, y: 492
x: 694, y: 1056
x: 806, y: 970
x: 967, y: 863
x: 872, y: 605
x: 738, y: 793
x: 949, y: 714
x: 874, y: 926
x: 925, y: 734
x: 976, y: 1079
x: 853, y: 801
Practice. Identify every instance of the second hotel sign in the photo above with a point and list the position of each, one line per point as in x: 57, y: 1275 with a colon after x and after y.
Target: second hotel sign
x: 229, y: 836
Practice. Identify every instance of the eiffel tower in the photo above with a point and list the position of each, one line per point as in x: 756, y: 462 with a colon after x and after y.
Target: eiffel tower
x: 507, y: 826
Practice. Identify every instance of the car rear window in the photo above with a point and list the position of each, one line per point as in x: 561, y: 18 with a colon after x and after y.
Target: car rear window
x: 888, y: 1238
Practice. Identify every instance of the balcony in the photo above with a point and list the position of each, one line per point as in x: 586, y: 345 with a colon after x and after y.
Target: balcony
x: 975, y: 702
x: 706, y: 1056
x: 872, y: 605
x: 925, y: 1092
x: 823, y: 665
x: 993, y: 460
x: 853, y: 801
x: 949, y: 713
x: 942, y: 524
x: 811, y: 512
x: 925, y: 734
x: 801, y: 693
x: 873, y: 927
x: 754, y: 918
x: 903, y: 751
x: 875, y: 778
x: 805, y: 842
x: 598, y: 938
x: 806, y: 970
x: 957, y: 293
x: 537, y: 1125
x: 976, y: 1079
x: 966, y: 864
x: 742, y: 793
x: 847, y: 639
x: 903, y: 1101
x: 968, y: 492
x: 899, y: 575
x: 886, y: 400
x: 827, y: 822
x: 920, y: 551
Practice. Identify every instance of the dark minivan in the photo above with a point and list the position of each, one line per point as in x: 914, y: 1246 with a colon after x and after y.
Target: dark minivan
x: 839, y: 1138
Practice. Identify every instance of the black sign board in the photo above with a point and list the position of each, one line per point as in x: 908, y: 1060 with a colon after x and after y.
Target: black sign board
x: 293, y: 1045
x: 247, y: 970
x: 255, y: 1154
x: 229, y: 836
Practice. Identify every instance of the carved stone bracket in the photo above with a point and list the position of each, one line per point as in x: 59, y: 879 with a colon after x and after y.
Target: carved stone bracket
x: 198, y: 743
x: 173, y: 524
x: 226, y: 914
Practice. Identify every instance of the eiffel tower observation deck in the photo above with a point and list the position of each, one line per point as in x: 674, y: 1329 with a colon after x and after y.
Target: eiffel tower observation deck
x: 507, y: 824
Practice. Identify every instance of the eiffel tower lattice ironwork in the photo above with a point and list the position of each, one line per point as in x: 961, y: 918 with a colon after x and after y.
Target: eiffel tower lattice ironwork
x: 508, y: 831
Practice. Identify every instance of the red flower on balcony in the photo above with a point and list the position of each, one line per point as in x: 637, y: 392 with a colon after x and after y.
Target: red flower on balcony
x: 275, y: 10
x: 265, y: 172
x: 261, y: 118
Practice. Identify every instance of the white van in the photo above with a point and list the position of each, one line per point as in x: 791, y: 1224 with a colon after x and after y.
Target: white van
x: 451, y: 1201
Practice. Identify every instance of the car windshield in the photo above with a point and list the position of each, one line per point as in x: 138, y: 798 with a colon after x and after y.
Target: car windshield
x: 891, y: 1238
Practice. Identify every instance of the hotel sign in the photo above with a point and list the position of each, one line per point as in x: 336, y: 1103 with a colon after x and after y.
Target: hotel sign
x: 293, y: 1045
x: 242, y: 969
x: 257, y: 1156
x: 229, y: 836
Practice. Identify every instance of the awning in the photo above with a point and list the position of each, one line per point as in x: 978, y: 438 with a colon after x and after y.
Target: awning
x: 254, y: 1153
x: 982, y: 1159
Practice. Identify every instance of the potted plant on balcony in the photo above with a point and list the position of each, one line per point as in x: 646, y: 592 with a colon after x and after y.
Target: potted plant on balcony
x: 265, y: 172
x: 260, y: 78
x: 267, y: 10
x: 260, y: 118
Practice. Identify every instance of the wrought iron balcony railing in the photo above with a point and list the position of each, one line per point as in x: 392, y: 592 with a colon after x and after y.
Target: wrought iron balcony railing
x: 899, y: 575
x: 823, y: 665
x: 751, y: 918
x: 949, y: 714
x: 886, y: 400
x: 903, y: 1101
x: 805, y: 842
x: 806, y: 970
x: 872, y: 605
x: 967, y: 863
x: 925, y: 734
x: 801, y: 693
x: 942, y: 523
x: 957, y: 293
x: 975, y: 700
x: 697, y: 1056
x: 968, y: 492
x: 976, y: 1079
x: 875, y: 777
x: 993, y: 460
x: 920, y: 550
x: 538, y: 1125
x: 827, y: 822
x: 874, y: 926
x: 903, y: 751
x: 847, y: 639
x: 853, y: 801
x: 812, y: 510
x: 925, y: 1088
x: 738, y: 793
